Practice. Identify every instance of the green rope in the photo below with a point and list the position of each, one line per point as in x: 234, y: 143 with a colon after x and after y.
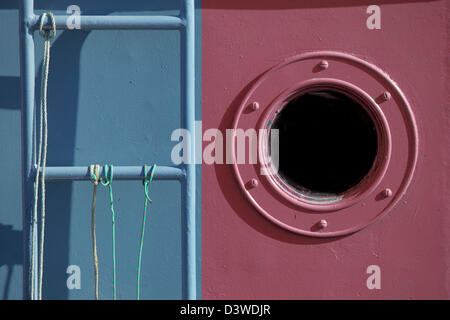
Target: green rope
x: 108, y: 180
x: 146, y: 182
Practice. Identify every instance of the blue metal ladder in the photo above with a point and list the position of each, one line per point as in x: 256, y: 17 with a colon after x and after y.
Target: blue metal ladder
x: 185, y: 22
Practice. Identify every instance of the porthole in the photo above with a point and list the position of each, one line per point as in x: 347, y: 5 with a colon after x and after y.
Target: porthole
x: 341, y: 123
x: 347, y: 144
x: 327, y: 143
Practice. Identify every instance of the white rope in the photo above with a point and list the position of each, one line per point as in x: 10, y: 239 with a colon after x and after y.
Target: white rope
x: 95, y: 178
x: 42, y: 157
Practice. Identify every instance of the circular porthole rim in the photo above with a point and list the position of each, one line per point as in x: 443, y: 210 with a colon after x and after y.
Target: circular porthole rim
x: 351, y: 196
x: 407, y: 114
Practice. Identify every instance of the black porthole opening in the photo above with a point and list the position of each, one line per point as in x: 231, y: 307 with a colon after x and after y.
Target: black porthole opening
x: 327, y: 142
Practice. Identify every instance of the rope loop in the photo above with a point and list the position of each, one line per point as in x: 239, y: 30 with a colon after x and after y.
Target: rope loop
x: 147, y: 180
x: 38, y: 252
x: 47, y: 34
x: 94, y: 171
x: 108, y: 178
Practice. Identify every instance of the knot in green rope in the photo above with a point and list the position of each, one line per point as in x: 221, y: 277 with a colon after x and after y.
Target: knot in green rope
x: 148, y: 179
x: 108, y: 175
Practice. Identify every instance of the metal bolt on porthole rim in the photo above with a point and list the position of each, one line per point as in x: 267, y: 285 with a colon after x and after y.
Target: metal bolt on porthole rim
x: 387, y: 193
x: 252, y: 183
x: 323, y: 64
x: 386, y: 96
x: 322, y: 224
x: 254, y: 106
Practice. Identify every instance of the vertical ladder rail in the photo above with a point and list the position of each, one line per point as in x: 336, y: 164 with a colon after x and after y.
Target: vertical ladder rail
x: 28, y: 23
x: 188, y: 122
x: 27, y: 77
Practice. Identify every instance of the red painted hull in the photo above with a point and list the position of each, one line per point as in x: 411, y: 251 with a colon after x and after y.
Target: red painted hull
x: 246, y: 256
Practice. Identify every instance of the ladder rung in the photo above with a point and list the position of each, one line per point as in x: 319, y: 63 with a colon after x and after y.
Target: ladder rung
x: 113, y: 22
x: 120, y: 173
